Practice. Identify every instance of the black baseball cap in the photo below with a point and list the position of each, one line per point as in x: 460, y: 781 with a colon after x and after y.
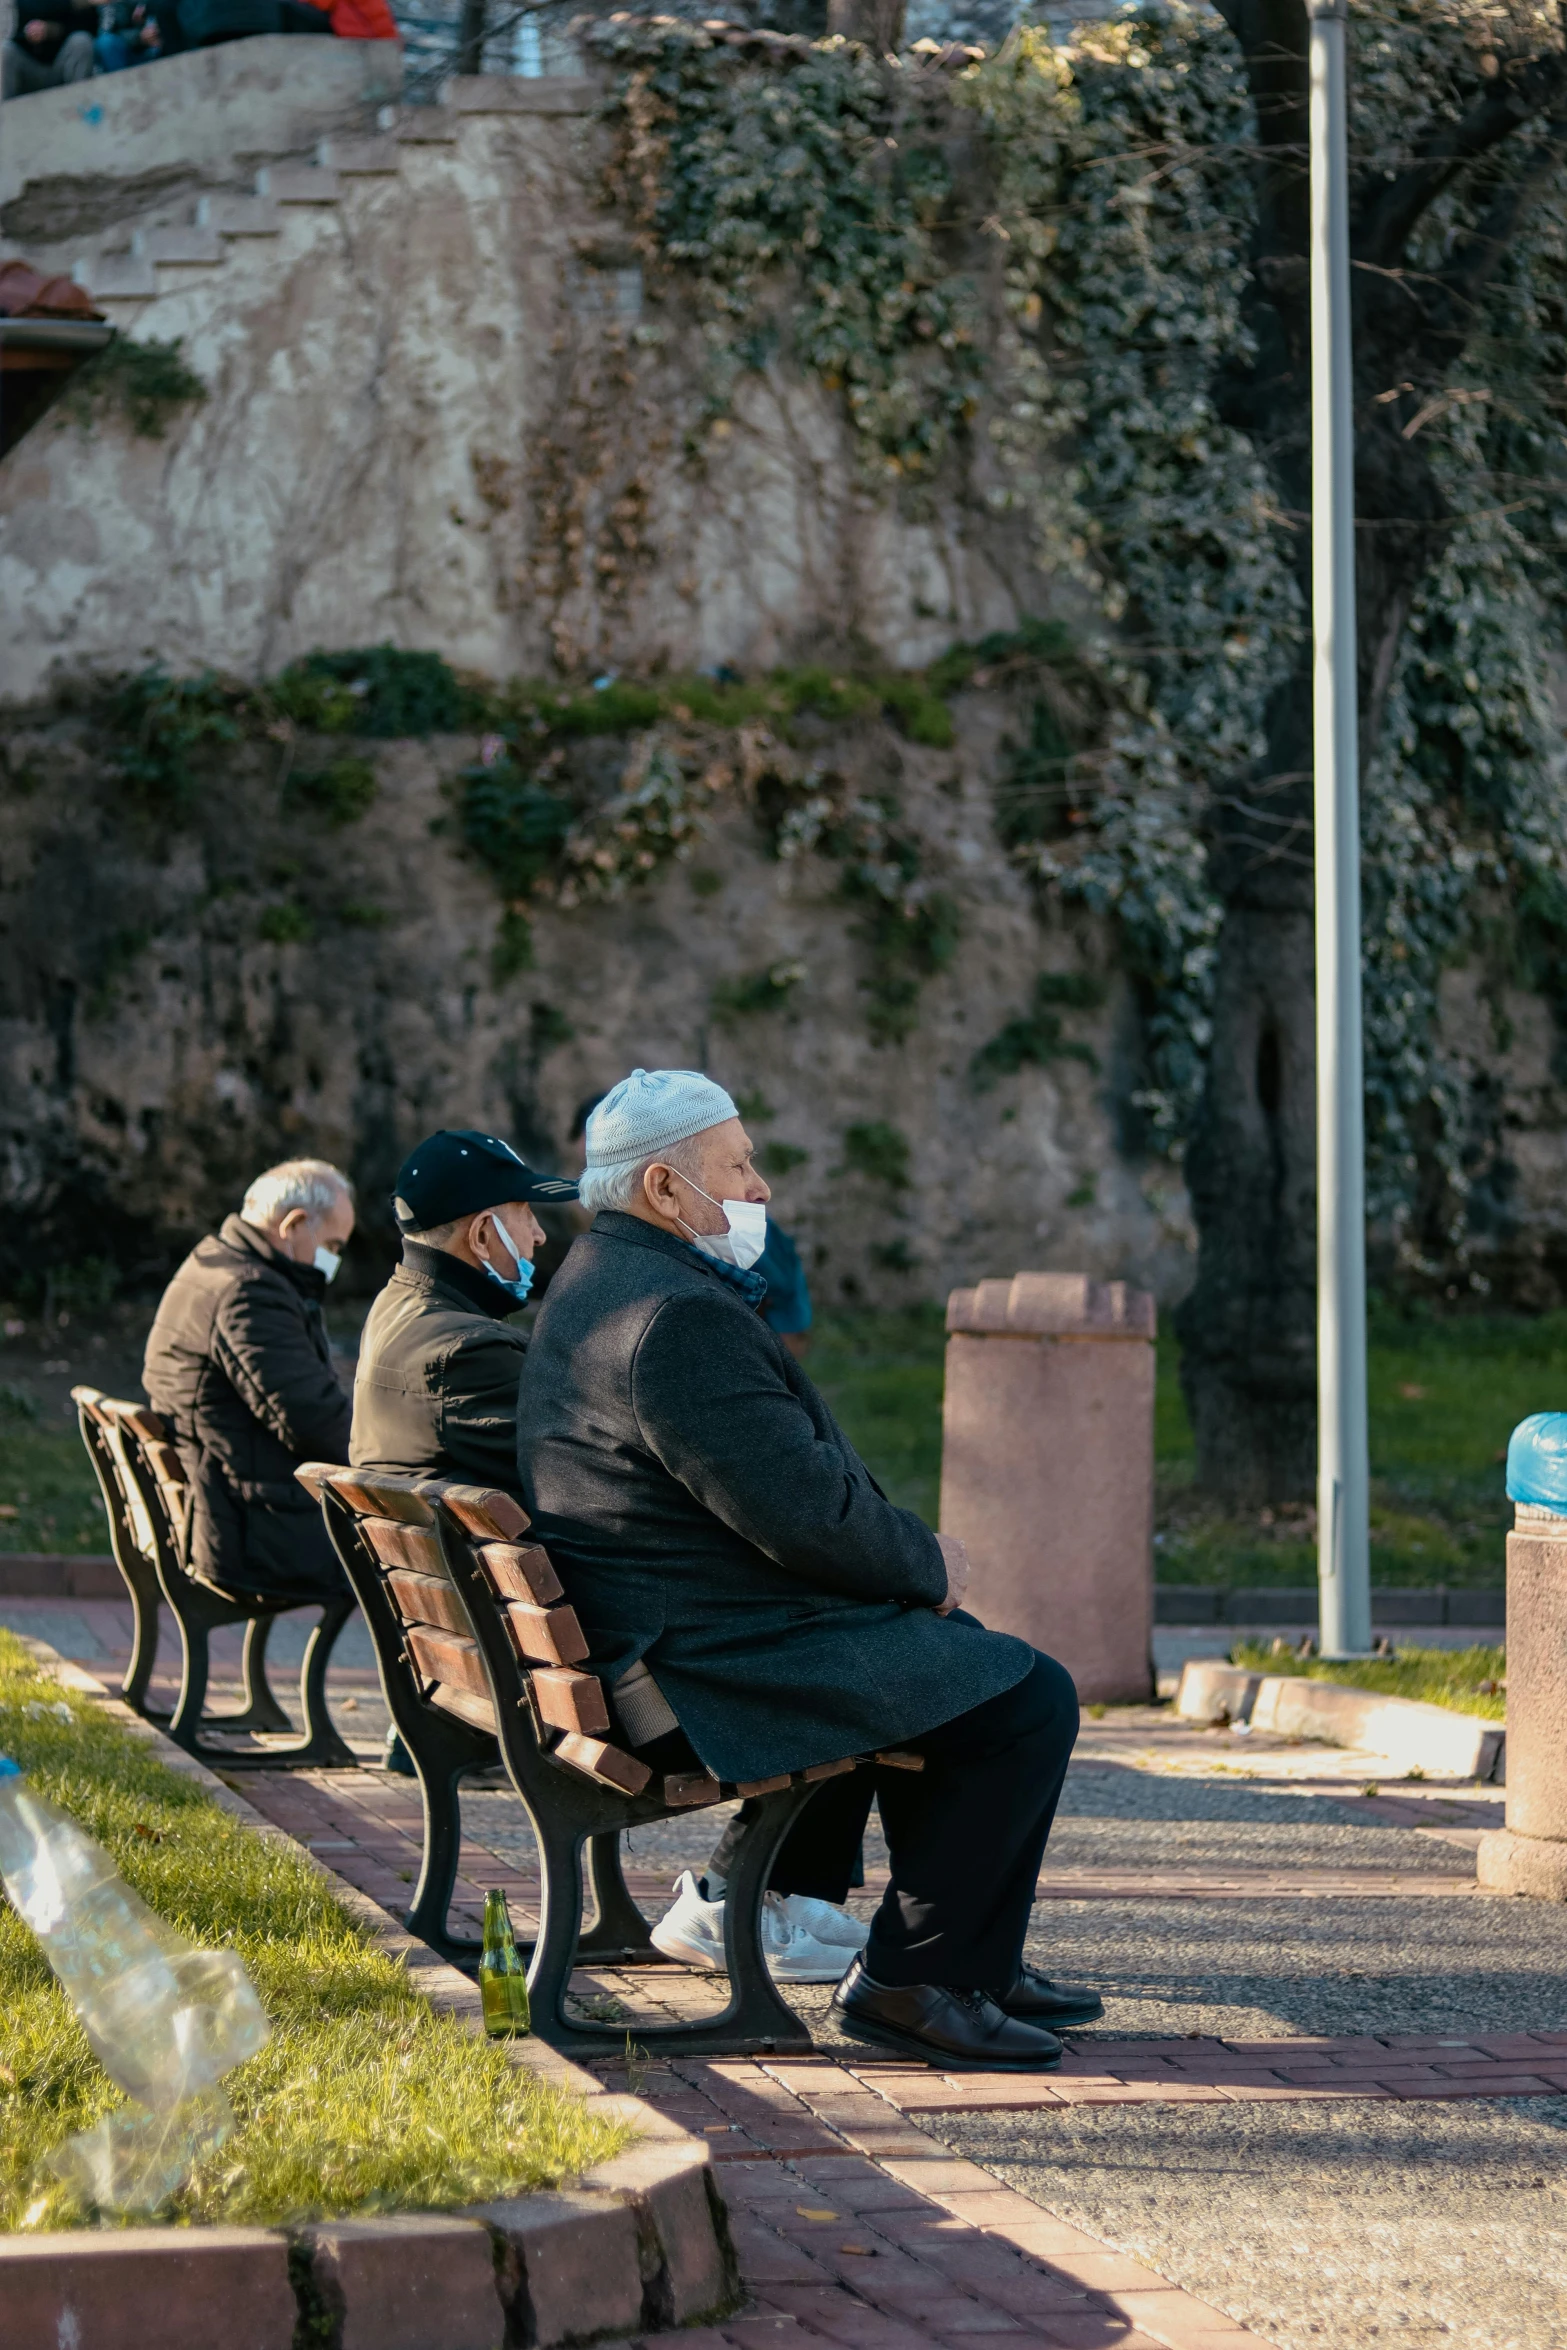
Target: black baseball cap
x: 459, y: 1171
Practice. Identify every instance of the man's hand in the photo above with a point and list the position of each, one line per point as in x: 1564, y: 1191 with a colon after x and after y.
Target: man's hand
x: 955, y: 1558
x: 35, y: 30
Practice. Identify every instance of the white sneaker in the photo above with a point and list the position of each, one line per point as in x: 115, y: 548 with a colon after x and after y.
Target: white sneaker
x: 793, y: 1954
x: 693, y: 1932
x: 825, y: 1922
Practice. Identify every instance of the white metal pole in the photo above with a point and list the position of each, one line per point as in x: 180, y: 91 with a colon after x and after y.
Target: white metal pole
x: 1343, y: 1467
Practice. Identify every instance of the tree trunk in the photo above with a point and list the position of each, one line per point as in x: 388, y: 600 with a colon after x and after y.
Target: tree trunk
x: 472, y: 26
x: 878, y: 23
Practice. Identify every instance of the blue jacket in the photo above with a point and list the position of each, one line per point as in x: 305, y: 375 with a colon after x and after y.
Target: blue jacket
x: 707, y: 1514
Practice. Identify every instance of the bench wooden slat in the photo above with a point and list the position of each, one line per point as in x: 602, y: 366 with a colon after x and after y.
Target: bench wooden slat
x: 762, y: 1786
x: 484, y: 1510
x: 146, y: 1422
x: 427, y: 1599
x: 452, y: 1658
x: 164, y: 1461
x: 683, y: 1790
x: 376, y: 1497
x: 570, y: 1701
x: 545, y: 1635
x: 520, y: 1571
x: 418, y: 1547
x: 828, y: 1770
x: 477, y: 1712
x: 893, y: 1758
x: 608, y: 1764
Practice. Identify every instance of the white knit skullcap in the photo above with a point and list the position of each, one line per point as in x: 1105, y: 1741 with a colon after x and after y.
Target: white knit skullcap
x: 649, y: 1111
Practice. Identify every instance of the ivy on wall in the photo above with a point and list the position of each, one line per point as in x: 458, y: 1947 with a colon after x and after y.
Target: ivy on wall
x: 579, y: 796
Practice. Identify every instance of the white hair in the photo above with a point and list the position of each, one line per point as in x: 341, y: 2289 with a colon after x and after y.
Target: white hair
x: 312, y: 1184
x: 618, y: 1187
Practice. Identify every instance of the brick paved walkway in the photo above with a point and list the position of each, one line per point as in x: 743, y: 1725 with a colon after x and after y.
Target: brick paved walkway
x: 855, y: 2228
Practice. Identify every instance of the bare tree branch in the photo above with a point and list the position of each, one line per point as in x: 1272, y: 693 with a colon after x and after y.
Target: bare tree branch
x: 1387, y: 212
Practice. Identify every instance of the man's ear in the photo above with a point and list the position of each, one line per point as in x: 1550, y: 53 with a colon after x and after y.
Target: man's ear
x: 290, y: 1222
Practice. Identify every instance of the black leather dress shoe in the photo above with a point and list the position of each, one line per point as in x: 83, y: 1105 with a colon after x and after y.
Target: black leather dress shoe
x: 1034, y: 1999
x: 962, y: 2031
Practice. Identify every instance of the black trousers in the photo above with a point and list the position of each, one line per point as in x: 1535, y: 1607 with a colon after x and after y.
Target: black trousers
x: 965, y: 1837
x: 821, y: 1853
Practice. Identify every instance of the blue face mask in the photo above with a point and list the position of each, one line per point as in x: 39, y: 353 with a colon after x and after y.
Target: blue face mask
x: 520, y: 1286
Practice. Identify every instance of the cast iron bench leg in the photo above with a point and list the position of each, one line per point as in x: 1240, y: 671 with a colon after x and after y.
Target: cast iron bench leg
x: 439, y: 1779
x: 755, y: 2019
x: 144, y: 1652
x: 185, y: 1721
x: 262, y: 1710
x: 619, y: 1933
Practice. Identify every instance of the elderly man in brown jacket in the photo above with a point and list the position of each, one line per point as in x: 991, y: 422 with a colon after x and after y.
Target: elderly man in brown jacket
x: 238, y: 1360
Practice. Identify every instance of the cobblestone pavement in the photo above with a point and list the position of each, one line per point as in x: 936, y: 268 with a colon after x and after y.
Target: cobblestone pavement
x: 1327, y: 2104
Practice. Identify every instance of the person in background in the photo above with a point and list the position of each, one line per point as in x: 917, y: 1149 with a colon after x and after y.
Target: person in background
x: 130, y: 36
x: 439, y: 1362
x: 753, y: 1599
x: 786, y: 1308
x: 51, y: 43
x: 238, y: 1361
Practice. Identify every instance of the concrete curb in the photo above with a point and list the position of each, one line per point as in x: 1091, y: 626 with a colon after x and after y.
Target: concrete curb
x: 642, y: 2242
x: 1421, y: 1737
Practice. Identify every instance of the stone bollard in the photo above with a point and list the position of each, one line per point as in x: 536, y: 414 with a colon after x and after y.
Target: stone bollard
x: 1529, y: 1855
x: 1047, y: 1469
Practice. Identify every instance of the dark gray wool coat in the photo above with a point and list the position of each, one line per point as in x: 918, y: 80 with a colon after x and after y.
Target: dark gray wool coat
x: 238, y: 1360
x: 708, y: 1515
x: 436, y: 1387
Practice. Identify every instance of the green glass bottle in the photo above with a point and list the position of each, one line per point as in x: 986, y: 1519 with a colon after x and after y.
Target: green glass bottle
x: 503, y: 1979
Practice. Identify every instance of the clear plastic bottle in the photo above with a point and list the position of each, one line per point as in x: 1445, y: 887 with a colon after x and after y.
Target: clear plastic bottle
x: 164, y: 2019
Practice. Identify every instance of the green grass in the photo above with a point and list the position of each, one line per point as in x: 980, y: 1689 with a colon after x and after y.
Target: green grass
x: 1469, y: 1680
x: 49, y: 1497
x: 363, y: 2100
x: 882, y: 1375
x: 1445, y: 1396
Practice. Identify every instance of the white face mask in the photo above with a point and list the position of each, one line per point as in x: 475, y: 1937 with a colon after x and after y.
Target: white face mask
x: 746, y: 1237
x: 326, y: 1261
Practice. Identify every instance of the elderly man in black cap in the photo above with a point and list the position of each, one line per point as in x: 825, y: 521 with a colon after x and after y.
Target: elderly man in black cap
x: 436, y: 1388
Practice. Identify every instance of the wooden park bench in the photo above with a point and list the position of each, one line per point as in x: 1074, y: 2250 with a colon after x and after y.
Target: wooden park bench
x: 147, y: 1497
x: 476, y: 1646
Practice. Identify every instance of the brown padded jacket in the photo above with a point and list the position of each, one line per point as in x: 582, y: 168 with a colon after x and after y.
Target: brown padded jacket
x: 239, y: 1361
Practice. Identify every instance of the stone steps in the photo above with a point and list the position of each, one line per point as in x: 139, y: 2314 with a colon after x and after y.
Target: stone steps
x: 159, y: 260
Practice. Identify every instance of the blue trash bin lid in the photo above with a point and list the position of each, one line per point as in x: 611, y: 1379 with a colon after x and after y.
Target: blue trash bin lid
x: 1537, y: 1461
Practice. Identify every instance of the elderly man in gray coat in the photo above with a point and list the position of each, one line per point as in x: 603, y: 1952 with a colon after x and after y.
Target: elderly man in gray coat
x: 754, y: 1599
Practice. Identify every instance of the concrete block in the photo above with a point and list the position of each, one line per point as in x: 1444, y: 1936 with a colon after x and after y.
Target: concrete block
x: 1424, y: 1737
x: 1186, y: 1603
x: 418, y: 126
x: 1537, y: 1676
x: 568, y: 2266
x: 687, y: 2266
x: 496, y: 93
x: 182, y: 2288
x: 195, y: 247
x: 416, y: 2283
x: 1212, y: 1691
x: 1532, y: 1865
x: 297, y: 183
x: 239, y: 216
x: 359, y: 158
x: 122, y: 277
x: 1047, y: 1469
